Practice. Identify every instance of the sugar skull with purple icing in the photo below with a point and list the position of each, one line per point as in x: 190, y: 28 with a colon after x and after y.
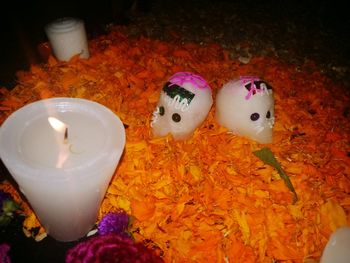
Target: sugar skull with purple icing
x: 246, y: 107
x: 184, y: 103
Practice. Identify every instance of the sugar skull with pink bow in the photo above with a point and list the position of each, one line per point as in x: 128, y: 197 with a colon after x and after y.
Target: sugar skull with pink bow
x: 183, y: 105
x: 246, y: 107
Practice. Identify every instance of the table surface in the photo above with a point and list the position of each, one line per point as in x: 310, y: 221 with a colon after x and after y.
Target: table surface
x: 24, y: 249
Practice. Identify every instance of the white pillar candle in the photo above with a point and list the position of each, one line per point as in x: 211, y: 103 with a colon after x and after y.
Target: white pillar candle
x: 63, y: 173
x: 67, y: 37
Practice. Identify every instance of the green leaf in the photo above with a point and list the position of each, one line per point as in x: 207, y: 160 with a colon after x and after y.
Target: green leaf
x: 267, y: 156
x: 9, y: 206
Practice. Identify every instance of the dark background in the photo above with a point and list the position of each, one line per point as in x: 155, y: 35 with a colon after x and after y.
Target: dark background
x: 22, y: 24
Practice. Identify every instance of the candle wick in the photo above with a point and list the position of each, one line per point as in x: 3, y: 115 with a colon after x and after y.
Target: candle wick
x: 66, y: 135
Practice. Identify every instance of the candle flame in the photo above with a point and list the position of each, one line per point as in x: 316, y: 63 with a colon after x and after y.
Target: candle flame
x: 61, y: 128
x: 57, y: 124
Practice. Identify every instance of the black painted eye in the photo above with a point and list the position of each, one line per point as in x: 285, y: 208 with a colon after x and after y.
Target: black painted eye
x: 255, y: 116
x: 268, y: 114
x: 161, y: 110
x: 176, y: 117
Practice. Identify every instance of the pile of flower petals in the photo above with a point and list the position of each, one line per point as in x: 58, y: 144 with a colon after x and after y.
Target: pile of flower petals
x: 209, y: 198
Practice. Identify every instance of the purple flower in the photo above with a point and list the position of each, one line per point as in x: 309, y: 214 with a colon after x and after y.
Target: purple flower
x: 4, y: 249
x: 117, y: 223
x: 111, y: 248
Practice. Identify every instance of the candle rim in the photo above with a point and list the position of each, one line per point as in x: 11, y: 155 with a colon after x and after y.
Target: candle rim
x: 107, y: 153
x: 63, y: 25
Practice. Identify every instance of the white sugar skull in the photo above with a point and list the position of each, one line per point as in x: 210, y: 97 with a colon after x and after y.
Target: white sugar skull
x: 184, y: 103
x: 246, y: 107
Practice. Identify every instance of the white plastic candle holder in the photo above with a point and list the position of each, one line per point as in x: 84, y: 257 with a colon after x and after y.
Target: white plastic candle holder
x: 67, y: 38
x: 63, y: 174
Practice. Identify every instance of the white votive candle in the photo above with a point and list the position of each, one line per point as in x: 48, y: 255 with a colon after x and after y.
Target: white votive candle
x: 64, y: 173
x: 67, y: 38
